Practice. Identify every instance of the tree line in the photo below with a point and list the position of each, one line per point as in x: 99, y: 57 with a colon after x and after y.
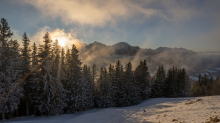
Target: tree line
x: 175, y: 83
x: 49, y: 80
x: 206, y: 86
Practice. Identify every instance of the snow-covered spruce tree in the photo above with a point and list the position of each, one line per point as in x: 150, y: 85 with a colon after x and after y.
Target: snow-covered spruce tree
x: 94, y: 77
x: 59, y: 99
x: 171, y: 81
x: 99, y: 90
x: 159, y: 83
x: 122, y: 88
x: 34, y: 58
x: 5, y: 35
x: 185, y: 85
x: 33, y: 99
x: 85, y: 89
x: 111, y: 75
x: 117, y: 85
x: 104, y: 88
x: 67, y: 82
x: 25, y: 59
x: 46, y: 83
x: 10, y: 90
x: 46, y: 93
x: 178, y: 84
x: 142, y: 77
x: 74, y: 80
x: 163, y: 80
x: 107, y: 83
x: 132, y: 94
x: 89, y: 87
x: 14, y: 58
x: 155, y: 89
x: 51, y: 93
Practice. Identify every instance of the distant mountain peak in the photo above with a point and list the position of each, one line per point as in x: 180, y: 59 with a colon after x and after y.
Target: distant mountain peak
x: 122, y: 43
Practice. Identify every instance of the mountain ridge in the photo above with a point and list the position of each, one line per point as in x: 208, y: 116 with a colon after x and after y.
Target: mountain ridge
x: 123, y: 48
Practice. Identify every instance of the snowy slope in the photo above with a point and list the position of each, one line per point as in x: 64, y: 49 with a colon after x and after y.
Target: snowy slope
x: 163, y: 110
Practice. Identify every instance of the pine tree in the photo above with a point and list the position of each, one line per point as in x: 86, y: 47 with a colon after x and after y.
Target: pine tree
x: 34, y: 60
x: 100, y: 97
x: 132, y: 93
x: 105, y: 89
x: 142, y: 76
x: 215, y: 89
x: 46, y: 84
x: 90, y: 86
x: 46, y: 93
x: 58, y: 102
x: 111, y: 75
x: 10, y: 90
x: 5, y: 35
x: 159, y: 85
x: 74, y: 77
x: 85, y: 89
x: 25, y: 58
x: 169, y: 89
x: 107, y: 83
x: 186, y: 84
x: 118, y: 91
x: 33, y: 79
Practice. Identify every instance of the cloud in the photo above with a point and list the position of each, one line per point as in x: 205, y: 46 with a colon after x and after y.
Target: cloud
x: 16, y: 35
x: 162, y: 22
x: 38, y: 36
x: 83, y: 12
x: 69, y: 38
x: 99, y: 12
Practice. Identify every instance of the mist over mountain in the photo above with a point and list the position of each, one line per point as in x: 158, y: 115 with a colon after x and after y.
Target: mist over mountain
x: 123, y: 48
x: 194, y: 62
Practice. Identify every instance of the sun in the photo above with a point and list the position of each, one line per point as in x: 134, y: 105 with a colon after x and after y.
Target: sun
x: 62, y: 42
x: 62, y: 39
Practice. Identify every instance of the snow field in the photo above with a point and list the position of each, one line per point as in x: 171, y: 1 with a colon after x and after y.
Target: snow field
x: 154, y: 110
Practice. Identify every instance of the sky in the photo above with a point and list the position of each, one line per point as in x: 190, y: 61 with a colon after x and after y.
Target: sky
x: 191, y: 24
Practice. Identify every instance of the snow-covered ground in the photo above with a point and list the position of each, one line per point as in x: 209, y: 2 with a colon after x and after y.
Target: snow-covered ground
x: 154, y: 110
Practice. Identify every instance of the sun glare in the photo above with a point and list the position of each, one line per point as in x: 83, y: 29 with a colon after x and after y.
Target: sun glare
x: 62, y: 42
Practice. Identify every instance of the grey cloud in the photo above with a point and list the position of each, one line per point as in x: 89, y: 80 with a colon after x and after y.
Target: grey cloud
x: 99, y: 12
